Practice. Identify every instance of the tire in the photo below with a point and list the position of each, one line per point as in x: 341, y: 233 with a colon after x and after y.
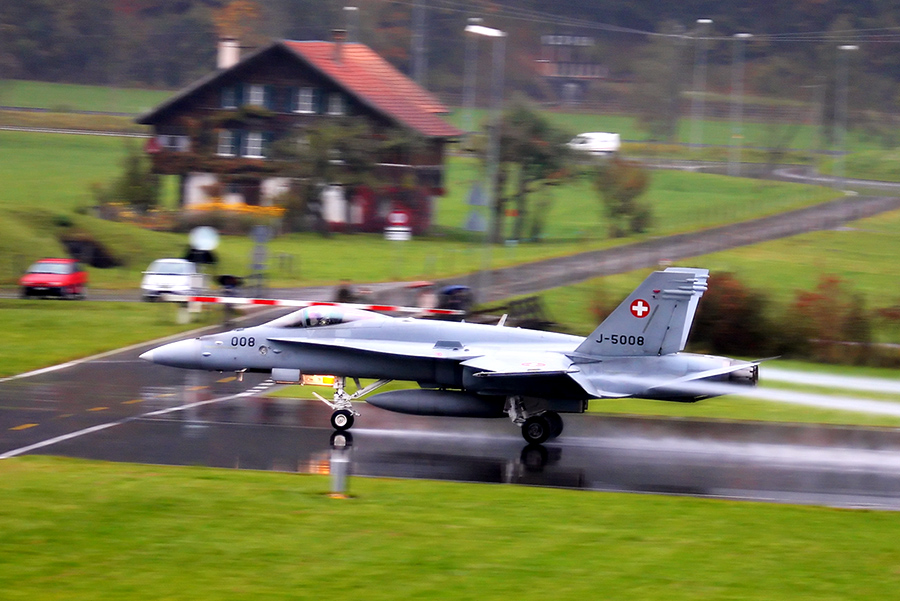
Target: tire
x: 25, y: 293
x: 536, y: 429
x: 342, y: 420
x: 556, y: 423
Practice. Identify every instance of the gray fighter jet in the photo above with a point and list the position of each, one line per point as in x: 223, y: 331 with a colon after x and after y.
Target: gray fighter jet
x: 476, y: 370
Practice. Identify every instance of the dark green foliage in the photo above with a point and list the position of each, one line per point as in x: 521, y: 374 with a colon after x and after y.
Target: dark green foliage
x: 137, y: 186
x: 731, y: 319
x: 620, y: 184
x: 828, y: 324
x: 533, y: 155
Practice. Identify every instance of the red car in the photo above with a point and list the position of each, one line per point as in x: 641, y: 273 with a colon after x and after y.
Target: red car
x: 65, y: 278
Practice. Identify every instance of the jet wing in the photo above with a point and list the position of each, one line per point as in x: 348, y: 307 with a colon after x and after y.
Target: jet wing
x: 513, y: 363
x: 430, y: 350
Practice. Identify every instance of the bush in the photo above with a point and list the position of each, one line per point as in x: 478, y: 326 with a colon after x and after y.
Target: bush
x: 731, y: 319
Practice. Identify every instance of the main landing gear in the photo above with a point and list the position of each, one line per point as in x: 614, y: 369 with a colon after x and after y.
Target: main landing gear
x: 344, y: 414
x: 538, y: 424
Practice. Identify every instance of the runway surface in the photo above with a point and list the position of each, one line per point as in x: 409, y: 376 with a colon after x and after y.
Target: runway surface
x: 119, y: 408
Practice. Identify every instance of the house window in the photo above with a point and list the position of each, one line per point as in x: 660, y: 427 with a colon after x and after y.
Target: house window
x: 256, y: 95
x: 253, y: 145
x: 304, y: 101
x: 229, y: 98
x: 226, y: 143
x: 173, y: 142
x: 335, y: 104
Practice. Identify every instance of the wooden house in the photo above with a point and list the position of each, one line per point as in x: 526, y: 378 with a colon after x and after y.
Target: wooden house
x: 218, y: 133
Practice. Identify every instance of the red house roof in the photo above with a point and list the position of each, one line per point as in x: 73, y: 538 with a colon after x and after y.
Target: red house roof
x: 375, y: 82
x: 358, y: 70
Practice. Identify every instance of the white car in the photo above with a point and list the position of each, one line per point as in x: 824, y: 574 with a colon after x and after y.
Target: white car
x: 171, y: 276
x: 596, y: 143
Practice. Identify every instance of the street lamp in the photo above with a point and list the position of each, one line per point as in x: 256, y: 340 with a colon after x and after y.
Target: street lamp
x: 737, y: 103
x: 699, y: 83
x: 843, y: 68
x: 470, y: 76
x: 352, y: 16
x: 493, y: 150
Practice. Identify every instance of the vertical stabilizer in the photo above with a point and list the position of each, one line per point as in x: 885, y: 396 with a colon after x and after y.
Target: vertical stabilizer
x: 654, y: 320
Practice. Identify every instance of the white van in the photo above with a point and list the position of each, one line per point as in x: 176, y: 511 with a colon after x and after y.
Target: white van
x: 171, y: 276
x: 596, y: 143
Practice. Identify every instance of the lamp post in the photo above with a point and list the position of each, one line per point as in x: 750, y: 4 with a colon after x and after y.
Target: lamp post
x: 843, y: 68
x: 699, y: 83
x: 352, y: 17
x: 493, y: 150
x: 470, y: 76
x: 737, y: 103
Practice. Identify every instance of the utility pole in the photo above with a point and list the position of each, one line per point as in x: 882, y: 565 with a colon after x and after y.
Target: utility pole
x: 697, y: 108
x: 420, y: 60
x: 737, y: 104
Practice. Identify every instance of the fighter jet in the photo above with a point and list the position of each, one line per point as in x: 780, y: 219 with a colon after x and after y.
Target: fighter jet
x: 476, y: 370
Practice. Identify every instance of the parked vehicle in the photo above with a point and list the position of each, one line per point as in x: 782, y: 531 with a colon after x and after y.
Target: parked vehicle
x: 65, y: 278
x: 596, y: 143
x: 171, y: 276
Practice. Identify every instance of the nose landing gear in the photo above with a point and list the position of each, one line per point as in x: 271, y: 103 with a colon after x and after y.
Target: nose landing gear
x: 343, y: 417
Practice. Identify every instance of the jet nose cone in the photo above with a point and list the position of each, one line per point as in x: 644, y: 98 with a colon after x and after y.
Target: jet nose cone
x: 184, y: 353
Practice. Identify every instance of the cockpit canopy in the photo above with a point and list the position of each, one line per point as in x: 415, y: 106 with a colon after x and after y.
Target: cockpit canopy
x: 317, y: 316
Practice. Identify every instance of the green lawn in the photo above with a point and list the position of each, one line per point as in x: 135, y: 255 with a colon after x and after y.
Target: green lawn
x: 63, y: 97
x: 92, y: 530
x: 863, y: 254
x: 47, y: 191
x: 41, y: 333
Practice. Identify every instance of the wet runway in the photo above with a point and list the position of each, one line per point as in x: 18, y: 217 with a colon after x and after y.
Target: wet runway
x: 119, y: 408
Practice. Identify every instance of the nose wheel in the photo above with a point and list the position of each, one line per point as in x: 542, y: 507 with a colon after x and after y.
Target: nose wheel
x: 342, y: 419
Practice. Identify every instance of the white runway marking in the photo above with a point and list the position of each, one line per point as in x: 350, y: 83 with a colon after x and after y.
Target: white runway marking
x: 98, y: 428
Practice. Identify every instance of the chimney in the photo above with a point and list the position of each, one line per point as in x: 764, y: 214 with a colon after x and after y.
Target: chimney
x: 229, y: 53
x: 339, y: 36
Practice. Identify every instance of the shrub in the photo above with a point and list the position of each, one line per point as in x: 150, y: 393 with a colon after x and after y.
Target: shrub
x: 731, y: 319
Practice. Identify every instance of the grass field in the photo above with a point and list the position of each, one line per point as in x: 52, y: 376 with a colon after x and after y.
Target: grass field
x: 48, y: 177
x: 91, y: 530
x: 62, y: 97
x: 41, y: 333
x: 863, y: 255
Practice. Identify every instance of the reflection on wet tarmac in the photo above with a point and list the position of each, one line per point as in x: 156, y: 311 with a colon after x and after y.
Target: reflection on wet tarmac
x: 837, y: 466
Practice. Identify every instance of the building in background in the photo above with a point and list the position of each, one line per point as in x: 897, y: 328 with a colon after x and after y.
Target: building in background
x: 217, y: 134
x: 569, y: 65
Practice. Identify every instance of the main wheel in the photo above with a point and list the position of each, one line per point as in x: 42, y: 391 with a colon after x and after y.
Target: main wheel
x: 342, y: 419
x: 556, y: 423
x: 536, y: 429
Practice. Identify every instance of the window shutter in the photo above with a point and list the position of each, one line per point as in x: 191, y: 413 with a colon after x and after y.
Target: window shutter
x: 269, y: 98
x: 239, y: 95
x: 319, y: 100
x: 291, y: 95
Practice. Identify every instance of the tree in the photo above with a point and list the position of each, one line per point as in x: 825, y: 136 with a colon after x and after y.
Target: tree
x: 661, y: 76
x: 533, y: 155
x: 137, y: 186
x: 620, y: 184
x: 345, y: 151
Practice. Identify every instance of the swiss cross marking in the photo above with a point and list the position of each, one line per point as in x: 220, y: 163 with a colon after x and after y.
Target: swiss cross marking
x: 640, y: 308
